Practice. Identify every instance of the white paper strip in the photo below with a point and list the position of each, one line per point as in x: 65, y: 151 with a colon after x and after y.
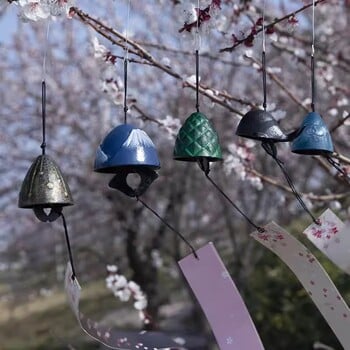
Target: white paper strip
x: 312, y: 276
x: 332, y: 237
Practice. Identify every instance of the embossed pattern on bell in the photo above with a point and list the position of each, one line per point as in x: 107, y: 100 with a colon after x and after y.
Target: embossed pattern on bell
x: 126, y: 146
x: 260, y: 125
x: 315, y: 138
x: 44, y: 186
x: 196, y: 139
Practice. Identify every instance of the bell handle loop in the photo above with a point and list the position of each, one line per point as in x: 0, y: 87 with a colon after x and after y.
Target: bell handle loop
x: 68, y: 246
x: 258, y: 228
x: 43, y: 116
x: 271, y: 150
x: 182, y: 237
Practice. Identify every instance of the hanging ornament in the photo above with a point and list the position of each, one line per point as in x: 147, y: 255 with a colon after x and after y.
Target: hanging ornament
x: 314, y: 137
x: 198, y: 141
x: 260, y: 125
x: 128, y: 150
x: 44, y: 186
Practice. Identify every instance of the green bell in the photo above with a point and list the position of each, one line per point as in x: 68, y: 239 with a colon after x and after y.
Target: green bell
x: 197, y: 140
x: 44, y: 187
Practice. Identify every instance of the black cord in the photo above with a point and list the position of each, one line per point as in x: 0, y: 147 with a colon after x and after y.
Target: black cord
x: 169, y: 226
x: 125, y: 89
x: 258, y: 228
x: 313, y: 87
x: 43, y: 115
x: 263, y: 58
x: 271, y: 150
x: 336, y: 165
x: 197, y: 80
x: 68, y: 246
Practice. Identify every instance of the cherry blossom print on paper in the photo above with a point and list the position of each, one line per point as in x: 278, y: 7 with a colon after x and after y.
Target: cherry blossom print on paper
x: 332, y: 237
x: 112, y: 338
x: 220, y: 300
x: 312, y: 276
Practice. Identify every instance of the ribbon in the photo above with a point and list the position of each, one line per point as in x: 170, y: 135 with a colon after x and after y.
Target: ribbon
x: 312, y: 276
x: 220, y: 300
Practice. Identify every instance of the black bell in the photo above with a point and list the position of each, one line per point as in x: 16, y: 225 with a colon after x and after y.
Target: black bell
x: 44, y: 187
x: 260, y: 125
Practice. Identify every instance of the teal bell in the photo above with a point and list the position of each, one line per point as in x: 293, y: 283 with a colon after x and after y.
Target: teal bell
x: 314, y: 137
x: 198, y: 141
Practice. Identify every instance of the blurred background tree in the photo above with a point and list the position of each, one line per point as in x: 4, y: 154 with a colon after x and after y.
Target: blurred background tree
x: 84, y: 79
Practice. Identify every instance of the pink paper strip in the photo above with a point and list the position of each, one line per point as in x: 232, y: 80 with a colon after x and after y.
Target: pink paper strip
x: 332, y: 237
x: 115, y: 339
x: 220, y: 300
x: 312, y: 276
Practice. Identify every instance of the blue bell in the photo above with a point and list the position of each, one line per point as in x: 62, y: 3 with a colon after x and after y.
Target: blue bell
x: 314, y: 137
x: 126, y: 146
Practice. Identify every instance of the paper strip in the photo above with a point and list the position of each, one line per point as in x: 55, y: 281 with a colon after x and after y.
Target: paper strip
x: 114, y: 339
x: 312, y: 276
x: 332, y: 237
x: 220, y: 300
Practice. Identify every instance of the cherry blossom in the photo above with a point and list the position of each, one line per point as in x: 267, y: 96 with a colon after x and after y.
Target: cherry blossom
x: 36, y: 10
x: 125, y: 290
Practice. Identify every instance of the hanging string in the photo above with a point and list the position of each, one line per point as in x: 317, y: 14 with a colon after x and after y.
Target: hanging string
x: 68, y: 246
x: 313, y: 88
x: 258, y: 228
x: 126, y: 59
x: 45, y: 50
x: 271, y: 150
x: 197, y: 57
x: 43, y: 90
x: 337, y: 166
x: 263, y: 56
x: 43, y: 116
x: 169, y: 226
x: 126, y: 108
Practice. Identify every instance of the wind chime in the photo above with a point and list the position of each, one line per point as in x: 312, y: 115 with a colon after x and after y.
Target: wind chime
x: 197, y: 140
x: 44, y: 189
x: 129, y: 150
x: 314, y: 137
x: 260, y: 125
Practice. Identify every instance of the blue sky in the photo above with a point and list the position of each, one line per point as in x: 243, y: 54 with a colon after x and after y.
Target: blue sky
x: 8, y: 23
